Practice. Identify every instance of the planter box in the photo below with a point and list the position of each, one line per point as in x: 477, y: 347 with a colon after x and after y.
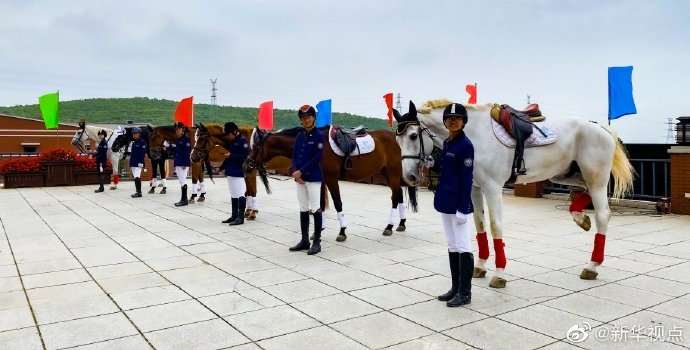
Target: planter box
x: 59, y: 173
x: 530, y: 190
x: 87, y: 177
x: 15, y: 180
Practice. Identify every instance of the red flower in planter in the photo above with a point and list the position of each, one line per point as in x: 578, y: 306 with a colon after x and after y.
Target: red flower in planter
x: 21, y: 165
x: 59, y: 155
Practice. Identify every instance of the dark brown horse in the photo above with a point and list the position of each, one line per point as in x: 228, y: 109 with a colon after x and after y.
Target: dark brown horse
x: 385, y: 159
x: 159, y: 135
x: 210, y: 146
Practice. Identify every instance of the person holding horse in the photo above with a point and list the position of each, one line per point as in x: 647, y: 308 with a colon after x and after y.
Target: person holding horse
x: 181, y: 148
x: 158, y: 168
x: 453, y: 200
x: 101, y: 158
x: 238, y: 148
x: 136, y: 159
x: 306, y: 171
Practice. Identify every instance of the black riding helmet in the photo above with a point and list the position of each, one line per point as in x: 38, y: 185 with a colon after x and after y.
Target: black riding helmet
x: 306, y: 110
x: 455, y: 110
x: 230, y: 127
x: 103, y: 132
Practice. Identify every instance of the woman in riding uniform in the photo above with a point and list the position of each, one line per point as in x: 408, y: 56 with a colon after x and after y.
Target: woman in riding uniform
x: 234, y: 172
x: 181, y: 149
x: 158, y: 168
x: 306, y: 171
x: 453, y: 200
x: 136, y: 159
x: 101, y: 158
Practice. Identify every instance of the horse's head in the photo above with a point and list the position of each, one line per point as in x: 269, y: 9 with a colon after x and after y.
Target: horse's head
x: 123, y: 138
x: 415, y: 143
x: 80, y: 136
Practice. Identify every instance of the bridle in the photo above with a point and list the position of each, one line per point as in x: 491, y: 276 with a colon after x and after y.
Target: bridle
x: 79, y: 144
x: 402, y: 127
x: 251, y: 162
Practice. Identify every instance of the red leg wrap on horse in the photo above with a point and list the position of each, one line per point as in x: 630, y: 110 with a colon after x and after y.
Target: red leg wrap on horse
x: 500, y: 254
x: 483, y: 244
x: 598, y: 252
x: 116, y: 179
x: 580, y: 201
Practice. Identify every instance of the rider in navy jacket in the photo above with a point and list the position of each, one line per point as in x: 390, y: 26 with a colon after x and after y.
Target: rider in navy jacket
x: 181, y: 149
x: 238, y: 149
x: 453, y: 199
x: 307, y: 154
x: 136, y: 159
x: 101, y: 158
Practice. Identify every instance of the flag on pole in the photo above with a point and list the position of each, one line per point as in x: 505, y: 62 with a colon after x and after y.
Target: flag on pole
x: 389, y: 103
x: 49, y: 104
x: 266, y: 115
x: 184, y: 112
x: 323, y: 113
x: 472, y: 90
x: 621, y: 100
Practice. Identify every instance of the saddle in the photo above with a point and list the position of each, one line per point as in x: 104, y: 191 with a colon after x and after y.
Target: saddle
x: 520, y: 125
x: 346, y: 140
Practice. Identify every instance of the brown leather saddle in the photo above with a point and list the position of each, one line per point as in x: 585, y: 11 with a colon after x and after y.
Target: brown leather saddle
x: 520, y: 125
x: 346, y: 140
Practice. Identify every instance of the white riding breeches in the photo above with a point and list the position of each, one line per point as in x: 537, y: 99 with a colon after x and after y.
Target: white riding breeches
x: 457, y: 235
x: 181, y: 172
x: 309, y: 196
x: 136, y: 171
x: 237, y: 186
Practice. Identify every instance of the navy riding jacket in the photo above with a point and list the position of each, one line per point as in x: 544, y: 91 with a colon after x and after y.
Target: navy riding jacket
x: 181, y: 150
x: 239, y: 150
x: 102, y: 152
x: 139, y: 149
x: 454, y: 190
x: 307, y: 155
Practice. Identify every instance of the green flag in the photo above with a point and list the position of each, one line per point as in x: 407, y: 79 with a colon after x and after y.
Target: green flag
x: 49, y: 109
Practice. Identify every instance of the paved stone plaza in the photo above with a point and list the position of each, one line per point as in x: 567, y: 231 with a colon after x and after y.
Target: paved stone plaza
x: 87, y: 271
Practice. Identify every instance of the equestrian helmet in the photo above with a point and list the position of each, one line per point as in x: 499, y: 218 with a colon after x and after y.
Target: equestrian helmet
x: 455, y: 110
x: 136, y: 130
x: 230, y: 127
x: 306, y: 110
x: 103, y: 132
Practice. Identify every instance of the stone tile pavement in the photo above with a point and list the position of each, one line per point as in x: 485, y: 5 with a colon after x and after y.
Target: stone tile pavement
x: 86, y: 271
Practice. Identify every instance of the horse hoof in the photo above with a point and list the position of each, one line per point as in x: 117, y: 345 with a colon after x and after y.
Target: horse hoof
x: 387, y: 232
x: 341, y: 238
x: 113, y: 187
x: 588, y: 275
x: 401, y: 228
x: 478, y: 273
x: 201, y: 199
x: 586, y: 223
x: 497, y: 282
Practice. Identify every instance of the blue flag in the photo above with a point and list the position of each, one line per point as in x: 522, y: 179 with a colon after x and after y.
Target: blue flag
x: 323, y: 113
x: 620, y: 92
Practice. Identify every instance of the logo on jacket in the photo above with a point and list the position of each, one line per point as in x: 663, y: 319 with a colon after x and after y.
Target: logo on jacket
x: 468, y: 162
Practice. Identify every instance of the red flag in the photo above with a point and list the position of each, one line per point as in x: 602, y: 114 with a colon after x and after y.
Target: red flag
x: 389, y: 103
x: 184, y: 112
x: 266, y: 115
x: 472, y: 90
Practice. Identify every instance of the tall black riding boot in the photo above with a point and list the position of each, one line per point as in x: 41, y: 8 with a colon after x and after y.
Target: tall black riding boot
x: 316, y: 244
x: 464, y: 295
x: 234, y: 202
x: 137, y: 186
x: 453, y: 262
x: 304, y: 226
x: 183, y: 198
x: 242, y: 204
x: 100, y: 184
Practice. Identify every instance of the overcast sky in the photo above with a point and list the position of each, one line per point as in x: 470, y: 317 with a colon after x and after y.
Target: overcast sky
x: 297, y: 52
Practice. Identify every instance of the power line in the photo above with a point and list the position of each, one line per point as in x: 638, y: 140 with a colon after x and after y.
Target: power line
x: 214, y: 91
x: 397, y: 103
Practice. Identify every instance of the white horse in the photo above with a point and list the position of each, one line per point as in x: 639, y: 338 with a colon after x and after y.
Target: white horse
x: 88, y: 132
x: 592, y: 147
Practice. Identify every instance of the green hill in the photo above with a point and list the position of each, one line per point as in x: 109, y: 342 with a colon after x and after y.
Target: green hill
x: 159, y: 112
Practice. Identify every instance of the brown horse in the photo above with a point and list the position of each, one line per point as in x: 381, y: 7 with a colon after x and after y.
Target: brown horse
x: 210, y: 146
x: 159, y: 135
x: 385, y: 160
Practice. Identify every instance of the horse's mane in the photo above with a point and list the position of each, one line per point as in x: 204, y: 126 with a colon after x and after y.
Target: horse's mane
x: 441, y: 103
x: 291, y: 132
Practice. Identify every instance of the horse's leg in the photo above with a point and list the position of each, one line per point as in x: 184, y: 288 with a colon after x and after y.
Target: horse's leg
x: 252, y: 208
x: 601, y: 217
x: 332, y: 184
x: 164, y: 176
x: 202, y: 188
x: 494, y: 200
x: 394, y: 186
x: 154, y: 176
x: 402, y: 213
x: 195, y: 180
x: 115, y: 163
x: 482, y: 241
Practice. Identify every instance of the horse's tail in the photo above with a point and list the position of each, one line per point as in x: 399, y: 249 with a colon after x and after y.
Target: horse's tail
x: 324, y: 197
x: 412, y: 194
x: 623, y: 172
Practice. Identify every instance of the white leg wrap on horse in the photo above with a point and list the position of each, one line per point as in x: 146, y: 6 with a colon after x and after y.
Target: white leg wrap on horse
x: 164, y: 182
x: 592, y: 266
x: 255, y: 206
x: 202, y: 187
x: 391, y: 216
x: 341, y: 219
x: 181, y: 172
x: 499, y: 273
x: 402, y: 210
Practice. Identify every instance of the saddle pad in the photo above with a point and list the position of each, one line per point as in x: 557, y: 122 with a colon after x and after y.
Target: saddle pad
x: 365, y: 144
x: 535, y: 140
